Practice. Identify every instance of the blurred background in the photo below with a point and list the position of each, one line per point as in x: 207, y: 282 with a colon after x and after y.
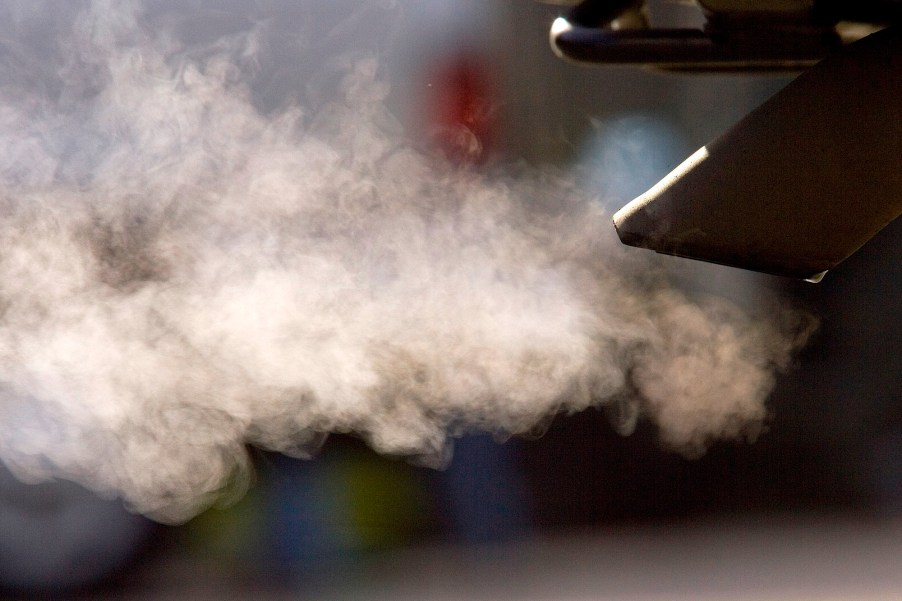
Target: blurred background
x: 809, y: 510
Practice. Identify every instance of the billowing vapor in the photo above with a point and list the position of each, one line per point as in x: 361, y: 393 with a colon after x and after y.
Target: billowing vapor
x: 184, y: 273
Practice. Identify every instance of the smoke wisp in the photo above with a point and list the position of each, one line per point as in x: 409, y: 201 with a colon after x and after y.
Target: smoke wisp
x: 183, y: 273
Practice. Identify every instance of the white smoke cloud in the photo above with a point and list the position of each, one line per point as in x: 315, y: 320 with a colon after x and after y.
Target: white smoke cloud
x: 183, y: 274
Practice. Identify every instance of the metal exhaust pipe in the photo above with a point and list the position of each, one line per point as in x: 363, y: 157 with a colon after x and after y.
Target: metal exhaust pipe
x: 800, y: 183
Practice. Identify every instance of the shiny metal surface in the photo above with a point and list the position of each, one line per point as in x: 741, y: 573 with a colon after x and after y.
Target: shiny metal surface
x: 798, y: 185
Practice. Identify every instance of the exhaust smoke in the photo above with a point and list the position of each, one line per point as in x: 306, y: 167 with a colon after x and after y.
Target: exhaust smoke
x: 183, y: 274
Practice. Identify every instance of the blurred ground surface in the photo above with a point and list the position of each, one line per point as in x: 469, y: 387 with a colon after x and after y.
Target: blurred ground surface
x: 748, y: 559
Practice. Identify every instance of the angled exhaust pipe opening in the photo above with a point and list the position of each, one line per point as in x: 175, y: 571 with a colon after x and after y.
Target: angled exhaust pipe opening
x: 799, y: 184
